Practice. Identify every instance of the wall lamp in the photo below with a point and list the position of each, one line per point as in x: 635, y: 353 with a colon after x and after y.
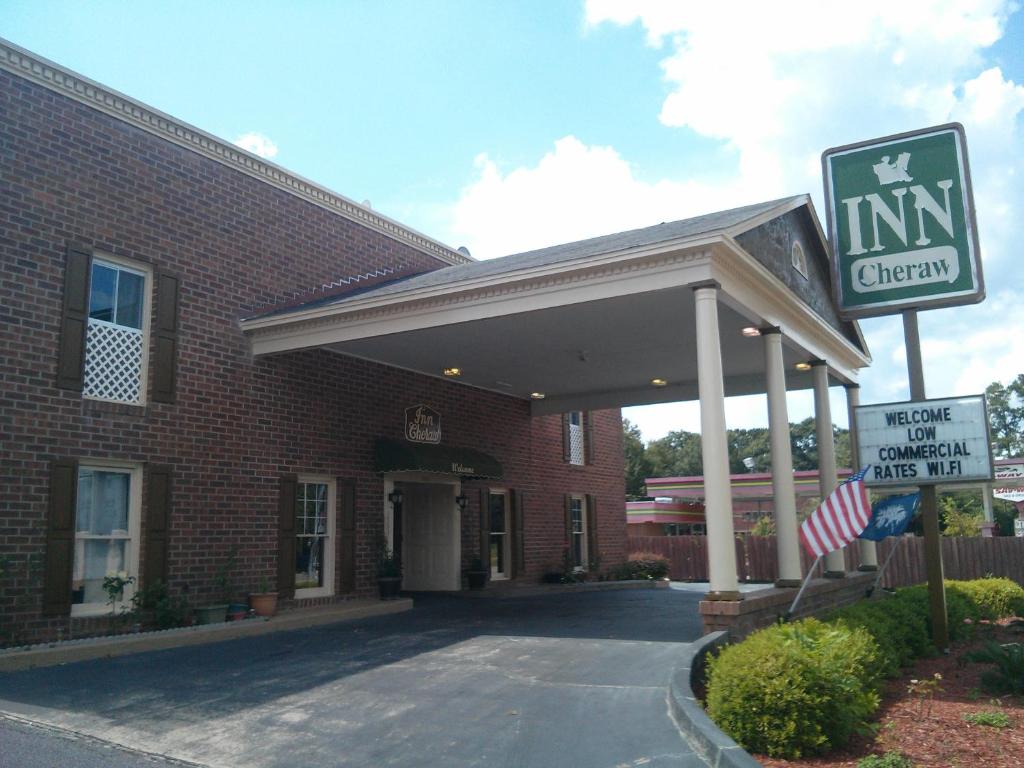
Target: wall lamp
x: 461, y: 501
x: 395, y: 497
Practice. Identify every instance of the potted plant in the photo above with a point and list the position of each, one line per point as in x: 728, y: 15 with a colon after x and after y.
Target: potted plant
x: 263, y: 602
x: 389, y: 574
x: 476, y: 574
x: 218, y: 612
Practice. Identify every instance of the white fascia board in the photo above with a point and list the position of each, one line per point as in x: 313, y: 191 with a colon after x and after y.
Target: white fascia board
x: 749, y: 287
x: 590, y: 279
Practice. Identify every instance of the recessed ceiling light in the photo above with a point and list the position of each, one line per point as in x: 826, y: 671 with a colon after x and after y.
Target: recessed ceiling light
x: 452, y: 371
x: 750, y: 331
x: 803, y: 366
x: 537, y: 395
x: 659, y: 382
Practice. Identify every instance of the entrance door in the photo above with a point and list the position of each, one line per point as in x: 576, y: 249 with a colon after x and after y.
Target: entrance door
x: 430, y: 538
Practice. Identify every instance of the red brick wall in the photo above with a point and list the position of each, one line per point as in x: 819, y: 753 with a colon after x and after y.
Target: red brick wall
x: 69, y: 172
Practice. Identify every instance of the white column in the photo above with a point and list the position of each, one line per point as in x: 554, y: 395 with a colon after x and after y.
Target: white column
x: 868, y: 550
x: 835, y: 563
x: 714, y: 449
x: 782, y: 462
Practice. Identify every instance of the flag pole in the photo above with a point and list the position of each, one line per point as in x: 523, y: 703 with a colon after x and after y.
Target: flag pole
x: 810, y: 572
x: 878, y: 576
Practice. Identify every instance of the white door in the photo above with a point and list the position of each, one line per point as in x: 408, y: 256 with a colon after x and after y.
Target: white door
x: 430, y: 538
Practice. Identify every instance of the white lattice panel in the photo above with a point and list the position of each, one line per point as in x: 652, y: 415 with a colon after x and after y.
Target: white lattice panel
x: 575, y: 444
x: 113, y: 362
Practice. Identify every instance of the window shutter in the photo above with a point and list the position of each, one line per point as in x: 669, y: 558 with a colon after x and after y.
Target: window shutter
x: 566, y: 440
x: 74, y: 319
x: 485, y: 530
x: 516, y: 499
x: 60, y: 537
x: 158, y: 516
x: 165, y: 338
x: 588, y: 437
x: 593, y: 552
x: 568, y: 521
x: 347, y: 553
x: 286, y: 536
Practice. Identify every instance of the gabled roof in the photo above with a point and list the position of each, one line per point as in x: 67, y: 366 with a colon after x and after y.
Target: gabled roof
x: 730, y: 222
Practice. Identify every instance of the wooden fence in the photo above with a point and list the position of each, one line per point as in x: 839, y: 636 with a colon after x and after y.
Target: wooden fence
x: 756, y: 558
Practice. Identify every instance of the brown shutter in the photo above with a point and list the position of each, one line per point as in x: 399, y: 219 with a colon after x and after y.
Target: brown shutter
x: 566, y: 440
x: 593, y: 552
x: 568, y: 521
x: 165, y: 338
x: 347, y: 549
x: 60, y: 537
x: 158, y: 516
x: 485, y: 530
x: 286, y: 536
x: 588, y: 437
x: 516, y: 528
x: 75, y: 318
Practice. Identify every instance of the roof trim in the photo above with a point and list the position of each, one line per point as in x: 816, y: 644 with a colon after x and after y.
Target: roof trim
x: 54, y: 77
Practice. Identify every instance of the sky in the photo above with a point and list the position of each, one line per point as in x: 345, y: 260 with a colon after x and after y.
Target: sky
x: 506, y: 126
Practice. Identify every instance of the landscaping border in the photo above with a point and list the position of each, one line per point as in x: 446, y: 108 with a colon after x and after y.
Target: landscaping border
x: 717, y: 749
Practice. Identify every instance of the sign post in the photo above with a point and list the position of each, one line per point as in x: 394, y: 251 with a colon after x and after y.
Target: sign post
x: 903, y: 237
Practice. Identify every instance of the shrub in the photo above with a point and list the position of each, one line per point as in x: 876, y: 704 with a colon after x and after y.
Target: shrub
x: 993, y: 598
x: 643, y: 565
x: 898, y: 625
x: 991, y: 718
x: 794, y: 689
x: 888, y: 760
x: 1008, y: 674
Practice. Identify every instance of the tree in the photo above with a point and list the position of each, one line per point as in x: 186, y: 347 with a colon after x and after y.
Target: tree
x: 638, y: 465
x: 1006, y: 417
x: 961, y: 515
x: 677, y: 454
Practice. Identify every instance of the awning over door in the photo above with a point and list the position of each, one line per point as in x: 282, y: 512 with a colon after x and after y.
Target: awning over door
x: 399, y: 456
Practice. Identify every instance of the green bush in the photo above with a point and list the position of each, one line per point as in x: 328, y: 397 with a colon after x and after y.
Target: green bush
x: 993, y: 598
x: 888, y: 760
x: 643, y: 565
x: 1008, y: 674
x: 794, y: 689
x: 897, y: 624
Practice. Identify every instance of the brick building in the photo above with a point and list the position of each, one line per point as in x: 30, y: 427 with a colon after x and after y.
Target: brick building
x: 209, y: 364
x: 141, y: 434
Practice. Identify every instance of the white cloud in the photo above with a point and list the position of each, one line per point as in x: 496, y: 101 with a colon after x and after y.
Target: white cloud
x: 778, y: 86
x: 258, y: 144
x: 575, y: 191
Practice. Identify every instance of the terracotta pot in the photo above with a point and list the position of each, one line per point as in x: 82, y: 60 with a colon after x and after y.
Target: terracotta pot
x: 264, y: 603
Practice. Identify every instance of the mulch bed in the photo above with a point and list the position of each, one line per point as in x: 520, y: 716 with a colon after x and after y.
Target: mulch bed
x: 933, y: 732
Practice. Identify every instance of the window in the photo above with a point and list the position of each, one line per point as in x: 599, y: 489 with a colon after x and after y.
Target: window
x: 799, y: 260
x: 577, y: 452
x: 314, y: 531
x: 116, y: 334
x: 106, y: 534
x: 578, y: 532
x: 499, y: 541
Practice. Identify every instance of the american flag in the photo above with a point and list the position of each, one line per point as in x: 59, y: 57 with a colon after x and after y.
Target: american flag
x: 839, y: 519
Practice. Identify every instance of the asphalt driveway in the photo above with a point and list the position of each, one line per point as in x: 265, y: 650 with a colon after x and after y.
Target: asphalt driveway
x: 565, y: 679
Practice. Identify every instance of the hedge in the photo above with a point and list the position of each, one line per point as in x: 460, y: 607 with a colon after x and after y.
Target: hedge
x: 803, y: 688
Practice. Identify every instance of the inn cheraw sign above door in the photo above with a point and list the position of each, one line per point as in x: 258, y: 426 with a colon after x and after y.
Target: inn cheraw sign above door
x: 901, y: 223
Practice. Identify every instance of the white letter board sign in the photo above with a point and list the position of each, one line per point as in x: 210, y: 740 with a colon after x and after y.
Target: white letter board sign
x: 925, y: 443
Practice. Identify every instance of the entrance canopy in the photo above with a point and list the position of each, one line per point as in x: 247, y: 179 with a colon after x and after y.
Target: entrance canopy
x: 600, y: 323
x: 403, y: 456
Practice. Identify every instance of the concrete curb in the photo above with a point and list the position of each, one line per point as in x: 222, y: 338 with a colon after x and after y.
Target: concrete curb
x: 17, y: 659
x: 717, y: 749
x: 502, y: 592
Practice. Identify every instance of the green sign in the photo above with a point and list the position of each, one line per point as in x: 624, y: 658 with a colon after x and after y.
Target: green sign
x: 901, y: 223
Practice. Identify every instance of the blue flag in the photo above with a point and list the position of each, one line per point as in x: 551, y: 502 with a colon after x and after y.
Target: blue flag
x: 891, y: 516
